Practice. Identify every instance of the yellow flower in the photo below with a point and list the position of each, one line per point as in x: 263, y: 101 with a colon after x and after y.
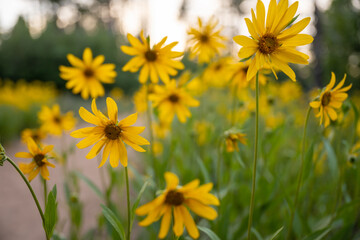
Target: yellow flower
x: 87, y: 75
x: 202, y: 130
x: 232, y: 140
x: 161, y: 129
x: 109, y: 132
x: 53, y: 122
x: 174, y: 202
x: 330, y: 99
x: 39, y: 160
x: 273, y: 43
x: 157, y: 148
x: 140, y: 97
x: 218, y: 73
x: 205, y: 40
x: 154, y: 62
x: 170, y: 100
x: 36, y: 134
x: 117, y: 93
x: 354, y: 154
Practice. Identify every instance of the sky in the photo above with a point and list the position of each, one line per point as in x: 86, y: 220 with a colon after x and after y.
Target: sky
x: 163, y: 16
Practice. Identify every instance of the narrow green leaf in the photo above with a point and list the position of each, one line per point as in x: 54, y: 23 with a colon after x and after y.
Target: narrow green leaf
x: 257, y: 234
x: 92, y: 185
x: 333, y: 166
x: 113, y: 220
x: 276, y: 234
x: 50, y: 212
x: 209, y: 233
x: 203, y: 169
x: 136, y: 203
x: 292, y: 20
x: 318, y: 235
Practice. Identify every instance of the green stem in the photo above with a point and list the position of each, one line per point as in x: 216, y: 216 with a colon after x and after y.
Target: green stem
x: 45, y: 190
x: 32, y: 193
x: 128, y: 202
x: 233, y: 107
x: 299, y: 182
x: 149, y: 120
x: 218, y: 166
x: 252, y: 201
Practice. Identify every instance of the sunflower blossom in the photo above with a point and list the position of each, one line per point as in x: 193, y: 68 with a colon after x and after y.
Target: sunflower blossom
x: 87, y: 75
x: 109, y: 132
x: 205, y: 40
x: 39, y: 161
x: 53, y: 122
x: 156, y: 62
x: 232, y: 137
x: 174, y: 203
x: 272, y: 42
x: 36, y: 134
x: 330, y: 99
x: 170, y: 100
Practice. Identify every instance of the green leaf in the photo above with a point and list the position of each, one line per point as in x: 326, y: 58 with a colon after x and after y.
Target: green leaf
x: 318, y: 235
x: 292, y: 20
x: 136, y: 203
x: 203, y: 169
x: 113, y: 220
x: 257, y: 234
x: 276, y: 234
x: 92, y: 185
x: 333, y: 166
x: 209, y: 233
x: 50, y: 212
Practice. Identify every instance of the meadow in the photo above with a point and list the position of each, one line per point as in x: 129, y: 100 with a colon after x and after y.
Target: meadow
x: 209, y: 145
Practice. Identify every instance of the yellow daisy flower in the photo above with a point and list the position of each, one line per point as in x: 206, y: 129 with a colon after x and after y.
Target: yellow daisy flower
x: 171, y: 99
x: 330, y: 99
x: 175, y: 201
x: 218, y: 73
x: 87, y: 75
x: 272, y: 42
x: 232, y: 139
x: 205, y: 40
x: 140, y: 97
x: 53, y: 122
x: 109, y: 132
x: 36, y: 134
x: 39, y: 160
x: 154, y: 62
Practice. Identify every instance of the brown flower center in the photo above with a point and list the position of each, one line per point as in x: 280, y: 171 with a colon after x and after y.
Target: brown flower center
x: 204, y: 38
x: 151, y: 55
x: 268, y: 44
x: 36, y: 137
x: 57, y: 119
x: 173, y: 98
x: 112, y: 131
x: 326, y: 98
x: 174, y: 198
x: 218, y: 67
x: 88, y: 73
x: 38, y: 159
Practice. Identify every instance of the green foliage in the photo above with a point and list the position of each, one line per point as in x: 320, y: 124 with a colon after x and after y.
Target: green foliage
x: 114, y: 221
x: 50, y: 212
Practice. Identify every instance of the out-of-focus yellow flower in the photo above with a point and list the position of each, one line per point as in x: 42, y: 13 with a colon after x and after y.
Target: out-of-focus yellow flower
x: 218, y: 73
x: 170, y: 100
x: 174, y: 203
x: 289, y: 91
x: 23, y: 95
x: 272, y: 42
x: 196, y: 86
x: 157, y: 148
x: 39, y: 161
x: 161, y: 129
x: 274, y: 120
x: 141, y: 99
x: 354, y: 154
x: 202, y: 130
x: 85, y: 76
x: 329, y: 100
x: 232, y: 138
x: 109, y: 132
x: 156, y: 62
x: 205, y: 40
x: 37, y: 135
x: 53, y: 122
x: 117, y: 93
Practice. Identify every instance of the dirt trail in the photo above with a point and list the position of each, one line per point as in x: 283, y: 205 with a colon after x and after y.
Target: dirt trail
x: 19, y: 218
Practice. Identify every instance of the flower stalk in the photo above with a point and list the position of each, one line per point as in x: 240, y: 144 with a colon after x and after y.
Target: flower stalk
x: 252, y: 200
x: 128, y: 203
